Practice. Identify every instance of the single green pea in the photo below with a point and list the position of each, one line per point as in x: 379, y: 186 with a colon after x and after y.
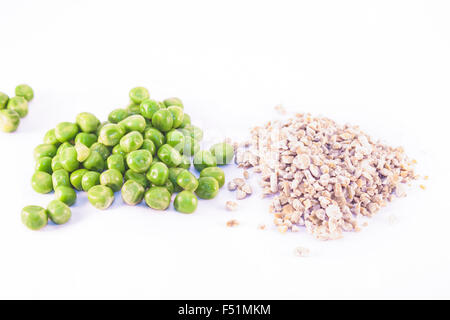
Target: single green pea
x: 83, y: 151
x: 139, y: 161
x: 173, y: 102
x: 25, y: 91
x: 34, y: 217
x: 62, y: 147
x: 118, y: 115
x: 139, y: 94
x: 175, y: 139
x: 44, y: 150
x: 42, y: 182
x: 87, y: 122
x: 177, y: 115
x: 3, y: 100
x: 19, y: 105
x: 158, y: 198
x: 149, y: 145
x: 185, y: 162
x: 195, y: 132
x: 204, y: 159
x: 134, y: 123
x: 162, y: 120
x: 88, y: 139
x: 133, y: 108
x: 110, y: 135
x: 94, y: 162
x: 131, y: 141
x: 9, y: 120
x: 138, y: 177
x: 132, y: 192
x: 89, y: 180
x: 224, y: 153
x: 116, y: 161
x: 185, y: 202
x: 66, y: 131
x: 208, y: 188
x: 187, y: 180
x: 158, y: 174
x: 76, y: 178
x: 66, y: 195
x: 58, y: 212
x: 50, y: 138
x: 68, y: 159
x: 56, y: 163
x: 60, y: 178
x: 186, y: 121
x: 148, y: 108
x: 214, y: 172
x: 170, y: 156
x: 101, y: 197
x: 155, y: 136
x: 117, y: 150
x: 173, y: 174
x: 44, y: 164
x: 112, y: 178
x: 101, y: 149
x: 191, y: 146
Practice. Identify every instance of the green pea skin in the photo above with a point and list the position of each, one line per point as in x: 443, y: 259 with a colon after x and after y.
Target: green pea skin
x: 110, y: 135
x: 41, y: 182
x: 139, y: 94
x: 168, y: 185
x: 76, y: 178
x: 116, y: 162
x: 158, y: 198
x: 44, y: 164
x: 34, y: 217
x: 134, y: 123
x: 173, y: 102
x: 60, y: 178
x: 170, y: 156
x: 185, y: 202
x: 139, y: 161
x: 89, y: 180
x: 25, y: 91
x: 58, y: 212
x: 66, y: 195
x: 44, y: 150
x: 214, y: 172
x: 173, y: 174
x: 158, y: 174
x: 138, y: 177
x: 155, y: 136
x: 83, y: 152
x: 69, y: 160
x: 224, y: 152
x: 186, y: 121
x: 185, y: 162
x: 117, y: 150
x: 102, y: 124
x: 101, y: 197
x: 177, y: 115
x: 56, y: 163
x: 187, y: 180
x: 118, y: 115
x: 195, y: 132
x: 112, y: 178
x: 9, y: 120
x: 148, y: 108
x: 88, y: 139
x: 62, y: 147
x: 50, y: 138
x: 19, y: 105
x: 101, y: 149
x: 204, y: 159
x: 131, y: 141
x: 208, y: 188
x: 3, y: 100
x: 191, y: 146
x: 162, y: 120
x: 66, y: 131
x: 149, y: 146
x: 87, y: 122
x: 175, y: 139
x: 94, y: 162
x: 132, y: 192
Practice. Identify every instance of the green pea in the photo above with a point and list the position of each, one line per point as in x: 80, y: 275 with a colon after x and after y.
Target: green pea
x: 138, y: 177
x: 162, y: 120
x: 9, y: 120
x: 66, y: 131
x: 101, y: 149
x: 175, y: 139
x: 58, y: 212
x: 134, y: 123
x: 56, y: 163
x: 76, y: 178
x: 88, y: 139
x: 104, y: 123
x: 186, y: 121
x: 62, y: 147
x: 68, y: 159
x: 185, y: 202
x: 214, y: 172
x: 149, y: 145
x: 44, y: 150
x: 185, y: 162
x: 50, y: 138
x: 191, y: 146
x: 118, y: 115
x: 101, y: 197
x: 34, y: 217
x: 60, y: 178
x: 25, y: 91
x: 83, y: 152
x: 116, y: 162
x: 112, y: 178
x: 110, y: 135
x: 131, y: 141
x: 89, y: 180
x: 44, y: 164
x: 139, y: 161
x: 173, y: 174
x: 66, y: 195
x: 177, y: 115
x: 208, y: 188
x: 204, y: 159
x: 148, y: 107
x: 158, y: 198
x: 19, y: 105
x: 155, y: 136
x: 158, y: 174
x: 170, y: 156
x: 173, y: 102
x: 42, y: 182
x: 132, y: 192
x: 133, y: 108
x: 195, y: 132
x: 224, y: 152
x: 117, y: 150
x: 187, y: 180
x: 3, y: 100
x: 87, y: 122
x: 94, y: 162
x: 139, y: 94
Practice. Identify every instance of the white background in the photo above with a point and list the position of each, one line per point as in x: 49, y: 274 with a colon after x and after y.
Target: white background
x: 384, y: 65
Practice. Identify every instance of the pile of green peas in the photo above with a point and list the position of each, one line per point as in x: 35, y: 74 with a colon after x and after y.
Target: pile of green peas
x: 145, y: 151
x: 15, y: 108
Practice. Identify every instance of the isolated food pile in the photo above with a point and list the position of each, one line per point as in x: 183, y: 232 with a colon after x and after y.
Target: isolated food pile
x: 15, y: 108
x: 323, y: 175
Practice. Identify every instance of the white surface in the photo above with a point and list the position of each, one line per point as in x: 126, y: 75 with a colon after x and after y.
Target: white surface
x: 381, y: 64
